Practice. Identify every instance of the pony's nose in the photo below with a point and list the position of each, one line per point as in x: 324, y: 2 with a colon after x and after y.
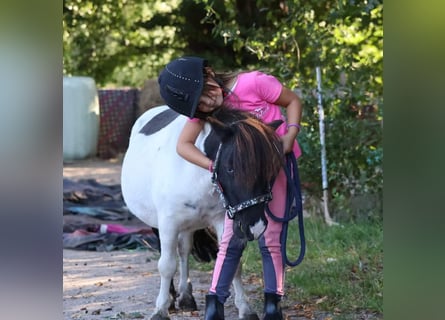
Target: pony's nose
x: 258, y: 229
x: 251, y: 232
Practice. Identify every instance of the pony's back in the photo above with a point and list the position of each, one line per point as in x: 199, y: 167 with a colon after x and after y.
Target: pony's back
x: 156, y: 182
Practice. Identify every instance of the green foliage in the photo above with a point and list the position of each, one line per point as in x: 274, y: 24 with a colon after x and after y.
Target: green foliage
x: 112, y: 42
x: 354, y: 158
x: 125, y: 42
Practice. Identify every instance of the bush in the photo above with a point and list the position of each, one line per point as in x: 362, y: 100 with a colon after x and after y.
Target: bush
x: 354, y: 152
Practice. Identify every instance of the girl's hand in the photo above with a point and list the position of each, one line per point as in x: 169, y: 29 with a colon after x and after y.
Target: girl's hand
x: 288, y: 141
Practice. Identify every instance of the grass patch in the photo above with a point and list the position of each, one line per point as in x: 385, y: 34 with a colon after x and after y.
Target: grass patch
x: 343, y: 268
x: 342, y: 271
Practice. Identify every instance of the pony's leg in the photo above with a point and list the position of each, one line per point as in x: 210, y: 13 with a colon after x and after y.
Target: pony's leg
x: 186, y: 301
x: 172, y: 285
x: 167, y: 269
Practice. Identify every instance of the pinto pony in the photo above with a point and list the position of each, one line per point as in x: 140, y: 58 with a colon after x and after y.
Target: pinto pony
x: 179, y: 198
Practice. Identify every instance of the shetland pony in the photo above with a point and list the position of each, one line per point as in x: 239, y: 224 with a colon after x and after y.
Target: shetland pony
x: 179, y: 198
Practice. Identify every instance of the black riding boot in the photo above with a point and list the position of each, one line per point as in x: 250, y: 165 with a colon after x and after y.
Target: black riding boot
x: 214, y: 308
x: 272, y: 307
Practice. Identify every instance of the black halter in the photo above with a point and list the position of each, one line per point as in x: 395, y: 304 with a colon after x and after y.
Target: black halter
x: 232, y: 210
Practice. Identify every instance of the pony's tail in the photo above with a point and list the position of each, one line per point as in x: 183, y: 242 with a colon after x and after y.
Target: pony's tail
x: 205, y: 245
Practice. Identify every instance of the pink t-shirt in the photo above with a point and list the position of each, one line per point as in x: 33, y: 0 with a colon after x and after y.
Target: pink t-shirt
x: 256, y: 92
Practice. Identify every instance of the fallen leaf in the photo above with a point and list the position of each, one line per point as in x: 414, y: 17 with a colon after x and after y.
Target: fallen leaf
x: 322, y: 299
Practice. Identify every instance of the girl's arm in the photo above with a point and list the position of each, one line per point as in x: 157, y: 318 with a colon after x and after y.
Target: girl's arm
x: 289, y: 100
x: 186, y: 144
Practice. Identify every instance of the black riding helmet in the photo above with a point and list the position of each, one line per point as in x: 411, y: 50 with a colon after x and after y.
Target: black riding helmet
x: 181, y: 83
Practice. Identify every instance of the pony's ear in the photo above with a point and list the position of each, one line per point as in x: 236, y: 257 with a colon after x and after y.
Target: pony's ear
x: 275, y: 124
x: 221, y: 129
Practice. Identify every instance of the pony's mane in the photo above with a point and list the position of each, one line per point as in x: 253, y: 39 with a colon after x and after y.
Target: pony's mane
x: 257, y: 154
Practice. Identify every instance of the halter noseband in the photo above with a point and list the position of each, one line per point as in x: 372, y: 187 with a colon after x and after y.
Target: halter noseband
x: 232, y: 210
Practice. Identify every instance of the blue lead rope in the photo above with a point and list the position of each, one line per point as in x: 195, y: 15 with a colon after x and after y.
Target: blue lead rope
x: 294, y: 208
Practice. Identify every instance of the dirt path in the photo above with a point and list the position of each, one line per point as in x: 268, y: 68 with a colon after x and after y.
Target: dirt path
x: 124, y: 285
x: 104, y: 171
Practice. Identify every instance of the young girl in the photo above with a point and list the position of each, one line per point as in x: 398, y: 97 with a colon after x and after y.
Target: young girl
x: 189, y: 86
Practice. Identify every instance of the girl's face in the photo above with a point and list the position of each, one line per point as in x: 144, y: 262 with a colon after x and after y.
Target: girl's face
x: 211, y: 97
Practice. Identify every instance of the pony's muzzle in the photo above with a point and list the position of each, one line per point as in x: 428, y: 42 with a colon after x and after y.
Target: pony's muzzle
x: 249, y: 231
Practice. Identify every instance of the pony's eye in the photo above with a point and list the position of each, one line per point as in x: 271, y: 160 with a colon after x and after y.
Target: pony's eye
x: 230, y: 170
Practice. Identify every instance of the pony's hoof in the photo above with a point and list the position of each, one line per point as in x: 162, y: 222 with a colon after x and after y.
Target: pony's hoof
x: 158, y: 316
x: 187, y: 303
x: 172, y: 307
x: 252, y: 316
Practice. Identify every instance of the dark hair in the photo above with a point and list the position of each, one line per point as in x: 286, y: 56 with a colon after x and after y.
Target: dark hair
x: 224, y: 78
